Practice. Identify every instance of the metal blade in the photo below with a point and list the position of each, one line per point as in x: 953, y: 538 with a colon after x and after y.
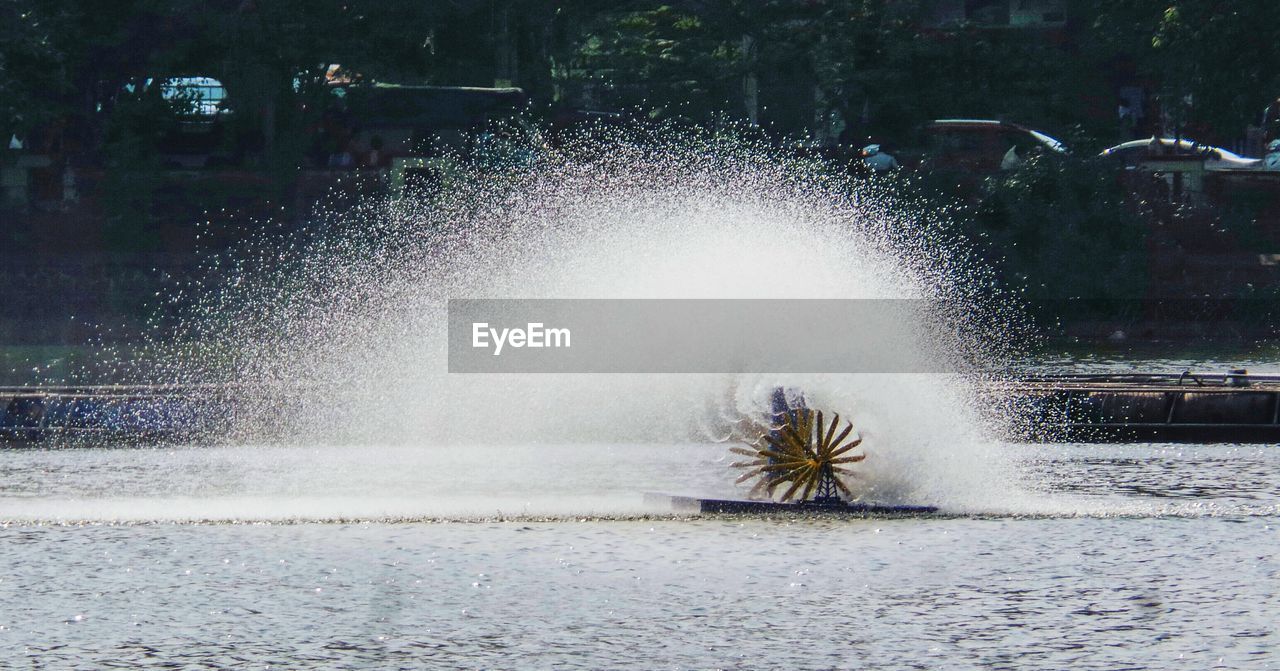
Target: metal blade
x: 835, y: 423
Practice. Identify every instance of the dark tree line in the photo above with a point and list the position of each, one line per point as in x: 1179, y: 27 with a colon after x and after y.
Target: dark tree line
x: 76, y: 70
x: 797, y: 63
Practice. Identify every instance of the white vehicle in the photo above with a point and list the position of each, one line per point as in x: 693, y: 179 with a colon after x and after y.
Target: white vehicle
x: 1136, y: 152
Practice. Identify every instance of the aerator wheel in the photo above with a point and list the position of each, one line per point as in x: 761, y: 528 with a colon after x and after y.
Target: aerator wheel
x: 804, y: 451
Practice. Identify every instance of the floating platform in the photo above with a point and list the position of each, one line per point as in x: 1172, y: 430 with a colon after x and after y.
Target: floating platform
x: 802, y: 509
x: 1229, y: 408
x: 109, y: 414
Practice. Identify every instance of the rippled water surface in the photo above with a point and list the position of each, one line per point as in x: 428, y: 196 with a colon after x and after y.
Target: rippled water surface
x: 1126, y: 556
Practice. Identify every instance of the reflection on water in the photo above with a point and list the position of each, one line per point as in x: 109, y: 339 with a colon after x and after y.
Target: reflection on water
x: 1244, y: 479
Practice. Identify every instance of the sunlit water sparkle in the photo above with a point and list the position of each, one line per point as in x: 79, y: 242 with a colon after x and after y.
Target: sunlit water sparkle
x: 1144, y: 557
x: 372, y: 511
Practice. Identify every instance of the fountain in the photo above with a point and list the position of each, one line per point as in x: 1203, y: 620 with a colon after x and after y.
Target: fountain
x: 338, y: 335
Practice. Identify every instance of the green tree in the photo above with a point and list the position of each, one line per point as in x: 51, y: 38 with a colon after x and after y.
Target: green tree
x: 29, y: 59
x: 659, y: 58
x: 1220, y: 62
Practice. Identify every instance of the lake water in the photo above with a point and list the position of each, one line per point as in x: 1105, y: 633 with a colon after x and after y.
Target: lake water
x: 1112, y: 556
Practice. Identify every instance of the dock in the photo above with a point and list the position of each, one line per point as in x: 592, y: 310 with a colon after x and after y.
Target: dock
x: 110, y: 414
x: 1232, y: 407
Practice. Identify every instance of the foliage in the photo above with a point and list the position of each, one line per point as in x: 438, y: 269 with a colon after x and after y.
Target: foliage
x: 871, y: 61
x: 27, y: 56
x: 1220, y: 62
x: 1064, y: 228
x: 1215, y: 64
x: 656, y: 58
x: 133, y: 167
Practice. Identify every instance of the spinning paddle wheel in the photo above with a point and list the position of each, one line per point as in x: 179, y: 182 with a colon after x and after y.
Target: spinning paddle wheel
x: 804, y: 452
